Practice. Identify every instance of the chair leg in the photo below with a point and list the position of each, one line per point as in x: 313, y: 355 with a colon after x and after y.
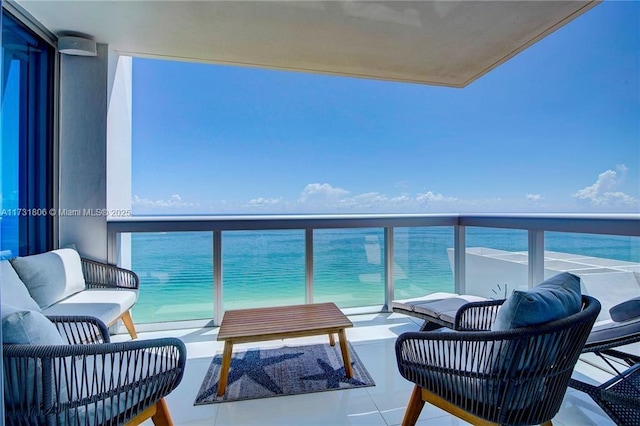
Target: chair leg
x: 158, y: 413
x: 162, y: 417
x: 414, y: 407
x: 128, y: 323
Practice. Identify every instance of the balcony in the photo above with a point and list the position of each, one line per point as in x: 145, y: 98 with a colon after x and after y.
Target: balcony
x: 96, y: 108
x: 373, y: 337
x: 381, y: 240
x: 361, y: 262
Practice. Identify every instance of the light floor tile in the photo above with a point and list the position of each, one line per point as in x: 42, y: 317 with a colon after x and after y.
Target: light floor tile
x: 349, y: 407
x: 578, y: 409
x: 373, y: 338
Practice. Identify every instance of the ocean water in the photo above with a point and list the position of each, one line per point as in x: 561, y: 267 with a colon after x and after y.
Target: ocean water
x: 267, y: 268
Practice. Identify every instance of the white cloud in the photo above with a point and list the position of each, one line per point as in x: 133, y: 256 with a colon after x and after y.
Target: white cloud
x: 320, y: 198
x: 262, y: 202
x: 365, y: 201
x: 601, y: 193
x: 534, y: 197
x: 431, y: 197
x: 622, y: 169
x: 321, y: 190
x: 174, y: 202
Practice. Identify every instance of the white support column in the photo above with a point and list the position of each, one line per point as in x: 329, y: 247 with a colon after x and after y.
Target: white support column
x: 389, y: 292
x: 536, y: 257
x: 118, y: 164
x: 113, y: 248
x: 218, y: 305
x: 83, y: 153
x: 308, y: 262
x: 459, y: 259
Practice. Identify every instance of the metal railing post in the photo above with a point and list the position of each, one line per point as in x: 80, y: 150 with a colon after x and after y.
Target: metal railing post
x: 459, y: 259
x: 388, y: 269
x: 308, y: 263
x: 536, y: 257
x: 218, y: 305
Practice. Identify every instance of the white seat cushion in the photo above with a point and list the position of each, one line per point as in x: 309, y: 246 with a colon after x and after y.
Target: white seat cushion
x: 107, y: 305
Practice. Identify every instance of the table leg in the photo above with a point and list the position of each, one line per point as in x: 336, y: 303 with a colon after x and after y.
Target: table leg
x: 224, y: 368
x: 345, y: 353
x: 332, y: 341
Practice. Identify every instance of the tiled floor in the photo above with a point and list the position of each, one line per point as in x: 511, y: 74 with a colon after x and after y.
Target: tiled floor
x: 373, y: 337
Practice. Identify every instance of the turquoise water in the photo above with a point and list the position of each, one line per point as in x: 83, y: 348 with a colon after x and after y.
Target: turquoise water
x: 267, y: 268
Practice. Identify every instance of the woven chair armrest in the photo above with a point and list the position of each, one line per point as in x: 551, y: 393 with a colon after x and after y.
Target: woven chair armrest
x: 78, y: 330
x: 477, y: 316
x: 103, y: 275
x: 455, y: 353
x: 75, y: 377
x: 119, y: 379
x: 171, y: 347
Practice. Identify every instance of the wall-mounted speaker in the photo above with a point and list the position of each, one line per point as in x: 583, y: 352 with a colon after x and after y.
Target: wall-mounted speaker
x: 77, y: 46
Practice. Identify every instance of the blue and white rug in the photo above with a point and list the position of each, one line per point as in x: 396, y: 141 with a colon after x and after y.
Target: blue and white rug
x: 263, y: 373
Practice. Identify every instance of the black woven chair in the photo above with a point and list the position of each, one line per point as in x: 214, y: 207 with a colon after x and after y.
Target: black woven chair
x: 619, y: 397
x: 90, y: 381
x: 514, y: 377
x: 106, y: 276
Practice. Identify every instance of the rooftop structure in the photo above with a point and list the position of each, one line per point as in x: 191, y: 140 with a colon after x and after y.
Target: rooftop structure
x: 495, y: 273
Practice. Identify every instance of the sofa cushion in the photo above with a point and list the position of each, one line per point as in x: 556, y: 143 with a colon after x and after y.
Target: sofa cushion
x: 553, y: 299
x: 22, y: 326
x: 107, y: 305
x: 443, y: 306
x: 51, y: 276
x: 625, y: 311
x: 608, y: 330
x: 13, y: 290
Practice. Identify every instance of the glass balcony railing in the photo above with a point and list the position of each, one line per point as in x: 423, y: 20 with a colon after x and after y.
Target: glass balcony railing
x: 496, y: 262
x: 348, y: 267
x: 263, y: 268
x: 176, y: 275
x: 196, y: 268
x: 421, y: 265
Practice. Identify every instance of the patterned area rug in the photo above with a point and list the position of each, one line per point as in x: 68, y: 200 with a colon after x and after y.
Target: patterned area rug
x: 263, y: 373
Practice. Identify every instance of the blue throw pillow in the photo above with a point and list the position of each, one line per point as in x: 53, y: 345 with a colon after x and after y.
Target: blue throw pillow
x: 19, y: 326
x: 556, y: 298
x: 22, y: 326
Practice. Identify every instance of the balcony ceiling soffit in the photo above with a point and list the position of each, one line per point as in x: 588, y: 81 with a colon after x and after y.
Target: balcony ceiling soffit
x: 449, y: 43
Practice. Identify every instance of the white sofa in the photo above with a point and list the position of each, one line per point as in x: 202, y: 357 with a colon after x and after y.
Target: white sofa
x: 61, y: 283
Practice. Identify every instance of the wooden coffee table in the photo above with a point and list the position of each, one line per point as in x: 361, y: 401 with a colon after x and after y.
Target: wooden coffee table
x: 282, y: 322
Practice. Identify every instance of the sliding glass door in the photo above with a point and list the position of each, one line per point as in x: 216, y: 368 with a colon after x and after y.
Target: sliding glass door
x: 26, y: 148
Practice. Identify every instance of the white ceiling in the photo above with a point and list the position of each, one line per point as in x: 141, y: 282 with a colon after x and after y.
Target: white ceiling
x: 448, y: 43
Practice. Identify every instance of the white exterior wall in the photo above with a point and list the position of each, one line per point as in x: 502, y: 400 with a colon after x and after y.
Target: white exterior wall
x: 119, y: 128
x: 82, y: 153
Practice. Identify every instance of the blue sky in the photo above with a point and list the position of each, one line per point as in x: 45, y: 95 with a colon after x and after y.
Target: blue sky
x: 555, y: 129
